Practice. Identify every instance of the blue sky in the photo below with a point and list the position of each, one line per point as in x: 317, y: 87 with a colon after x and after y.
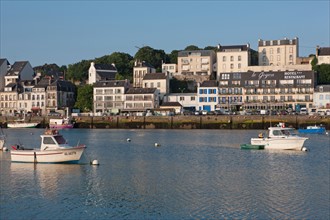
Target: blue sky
x: 66, y: 32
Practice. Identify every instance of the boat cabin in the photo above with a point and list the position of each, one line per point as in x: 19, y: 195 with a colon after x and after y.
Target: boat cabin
x: 280, y: 132
x: 51, y: 139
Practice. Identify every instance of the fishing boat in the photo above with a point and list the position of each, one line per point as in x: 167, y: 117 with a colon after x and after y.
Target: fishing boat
x: 21, y: 123
x: 53, y: 149
x: 2, y: 139
x: 280, y: 138
x: 315, y: 129
x: 64, y: 123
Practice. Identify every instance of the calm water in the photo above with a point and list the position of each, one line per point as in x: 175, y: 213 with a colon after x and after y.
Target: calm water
x: 195, y: 174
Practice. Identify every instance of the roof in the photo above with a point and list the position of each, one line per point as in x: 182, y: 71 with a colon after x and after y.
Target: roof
x: 16, y: 68
x: 284, y: 41
x: 106, y: 75
x: 324, y: 88
x: 186, y: 53
x: 140, y: 90
x: 154, y: 76
x: 210, y: 83
x: 142, y: 64
x: 323, y: 51
x: 4, y: 60
x: 105, y: 67
x: 233, y: 47
x: 113, y: 83
x: 171, y: 104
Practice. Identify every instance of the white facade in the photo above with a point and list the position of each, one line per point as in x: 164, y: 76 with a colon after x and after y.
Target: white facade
x: 138, y: 99
x: 140, y: 69
x: 321, y: 97
x: 160, y: 81
x: 278, y: 52
x: 207, y: 95
x: 323, y: 55
x: 187, y: 100
x: 96, y: 69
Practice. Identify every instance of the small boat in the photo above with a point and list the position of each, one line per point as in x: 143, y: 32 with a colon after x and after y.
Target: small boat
x: 2, y: 138
x: 252, y: 147
x: 53, y: 149
x: 315, y: 129
x: 280, y: 138
x: 21, y: 123
x: 64, y: 123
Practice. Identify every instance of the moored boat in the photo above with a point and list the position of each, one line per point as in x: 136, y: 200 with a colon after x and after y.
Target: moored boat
x: 280, y: 138
x: 22, y: 124
x: 315, y: 129
x: 65, y: 123
x: 53, y: 149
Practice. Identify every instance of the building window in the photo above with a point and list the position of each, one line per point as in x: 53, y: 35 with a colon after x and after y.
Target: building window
x: 224, y: 58
x: 181, y: 98
x: 271, y: 50
x: 321, y: 97
x: 231, y: 58
x: 278, y: 50
x: 239, y: 58
x: 225, y: 76
x: 192, y: 98
x: 290, y: 49
x: 278, y: 57
x: 239, y: 66
x: 158, y: 84
x: 231, y: 66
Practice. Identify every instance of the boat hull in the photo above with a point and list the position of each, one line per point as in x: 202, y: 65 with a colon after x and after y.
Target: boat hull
x: 2, y: 143
x: 66, y: 126
x: 69, y: 155
x: 252, y: 147
x: 282, y: 143
x: 22, y: 125
x: 312, y: 131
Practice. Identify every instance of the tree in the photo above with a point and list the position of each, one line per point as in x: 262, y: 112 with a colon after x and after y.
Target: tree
x: 192, y: 47
x: 84, y: 98
x: 323, y: 73
x: 211, y: 48
x: 173, y: 56
x: 78, y: 71
x: 151, y: 56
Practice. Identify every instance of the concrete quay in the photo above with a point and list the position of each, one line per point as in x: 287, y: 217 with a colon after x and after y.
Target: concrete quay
x: 186, y: 122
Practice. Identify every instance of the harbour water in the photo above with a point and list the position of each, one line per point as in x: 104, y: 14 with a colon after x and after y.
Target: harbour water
x: 193, y: 174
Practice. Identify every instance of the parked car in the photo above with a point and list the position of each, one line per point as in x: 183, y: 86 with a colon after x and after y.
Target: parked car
x: 54, y: 114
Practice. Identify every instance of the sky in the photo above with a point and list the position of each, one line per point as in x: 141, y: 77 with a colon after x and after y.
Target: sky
x: 66, y: 32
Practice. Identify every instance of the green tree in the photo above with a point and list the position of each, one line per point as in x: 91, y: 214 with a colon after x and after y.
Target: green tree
x: 84, y: 98
x: 211, y: 48
x: 78, y: 71
x: 323, y: 73
x: 151, y: 56
x: 173, y: 56
x: 192, y: 47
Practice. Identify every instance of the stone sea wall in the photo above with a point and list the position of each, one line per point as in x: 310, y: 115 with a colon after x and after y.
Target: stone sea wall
x: 186, y: 122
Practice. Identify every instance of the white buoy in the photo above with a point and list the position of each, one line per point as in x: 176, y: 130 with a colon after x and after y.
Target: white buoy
x: 157, y: 145
x: 95, y: 162
x: 128, y: 140
x: 327, y: 133
x: 4, y: 149
x: 304, y: 149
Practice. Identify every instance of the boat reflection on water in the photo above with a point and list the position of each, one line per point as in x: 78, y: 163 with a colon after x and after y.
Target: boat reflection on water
x: 48, y: 178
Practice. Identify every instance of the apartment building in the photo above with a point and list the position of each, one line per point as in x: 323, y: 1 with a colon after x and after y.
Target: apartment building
x: 170, y: 69
x: 109, y: 96
x: 140, y: 69
x: 188, y: 101
x: 278, y: 52
x: 264, y: 90
x: 141, y: 99
x: 207, y: 95
x: 323, y: 55
x: 233, y: 58
x: 160, y: 81
x: 192, y: 64
x: 321, y: 96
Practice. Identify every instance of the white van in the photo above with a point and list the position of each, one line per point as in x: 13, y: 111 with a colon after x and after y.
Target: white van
x: 303, y: 111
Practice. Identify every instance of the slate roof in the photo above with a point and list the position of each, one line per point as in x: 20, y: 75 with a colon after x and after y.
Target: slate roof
x: 171, y: 104
x: 114, y: 83
x: 154, y: 76
x: 4, y: 60
x: 106, y: 75
x: 16, y: 68
x: 210, y: 83
x: 186, y: 53
x: 143, y: 64
x: 233, y: 47
x: 105, y: 67
x: 140, y: 90
x: 323, y: 51
x: 43, y: 83
x: 326, y: 88
x: 277, y: 42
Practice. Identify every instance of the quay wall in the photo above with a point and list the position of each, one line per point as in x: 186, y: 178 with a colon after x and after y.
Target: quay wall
x: 185, y: 122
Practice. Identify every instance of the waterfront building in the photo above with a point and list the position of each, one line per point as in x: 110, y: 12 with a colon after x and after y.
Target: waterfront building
x: 170, y: 108
x: 321, y: 96
x: 101, y: 72
x: 170, y: 68
x: 234, y: 58
x: 109, y: 96
x: 188, y: 101
x: 278, y: 52
x: 140, y: 69
x: 141, y: 99
x: 4, y: 67
x: 323, y: 55
x: 207, y: 95
x: 267, y: 90
x: 160, y: 81
x: 196, y: 65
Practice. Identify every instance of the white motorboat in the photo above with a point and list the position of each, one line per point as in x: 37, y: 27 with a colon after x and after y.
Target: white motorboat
x: 280, y: 138
x: 2, y: 139
x: 54, y: 149
x: 21, y: 123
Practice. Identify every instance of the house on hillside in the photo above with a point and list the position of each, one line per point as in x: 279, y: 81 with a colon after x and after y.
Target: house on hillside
x: 160, y: 81
x: 101, y: 72
x: 323, y: 55
x: 140, y: 69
